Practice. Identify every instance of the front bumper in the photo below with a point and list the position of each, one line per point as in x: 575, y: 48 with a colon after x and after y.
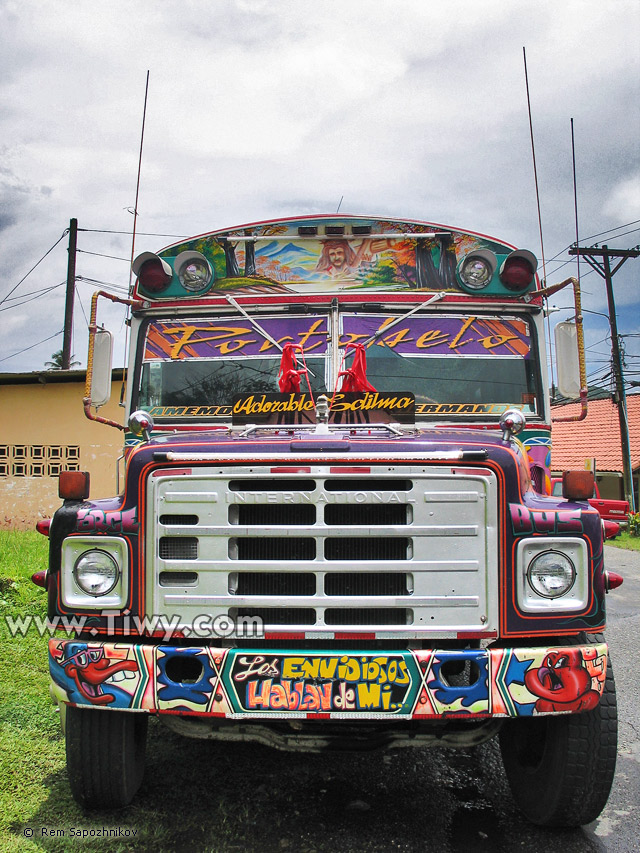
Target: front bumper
x: 262, y: 683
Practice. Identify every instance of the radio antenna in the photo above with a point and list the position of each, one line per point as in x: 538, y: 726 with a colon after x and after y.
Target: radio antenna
x: 575, y: 195
x: 133, y: 239
x: 535, y: 178
x: 135, y: 209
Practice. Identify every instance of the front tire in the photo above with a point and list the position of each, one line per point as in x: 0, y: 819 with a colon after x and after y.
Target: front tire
x: 560, y: 768
x: 105, y: 756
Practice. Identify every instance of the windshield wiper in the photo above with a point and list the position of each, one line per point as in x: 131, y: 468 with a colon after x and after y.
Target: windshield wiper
x: 435, y: 298
x: 257, y: 326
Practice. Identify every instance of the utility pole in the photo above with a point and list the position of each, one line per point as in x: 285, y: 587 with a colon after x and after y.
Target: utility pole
x: 603, y: 268
x: 71, y: 289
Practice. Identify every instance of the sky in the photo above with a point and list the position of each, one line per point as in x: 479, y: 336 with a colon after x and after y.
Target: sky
x: 259, y: 109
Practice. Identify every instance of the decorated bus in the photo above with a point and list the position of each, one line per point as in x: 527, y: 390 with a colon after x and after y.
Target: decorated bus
x: 334, y: 528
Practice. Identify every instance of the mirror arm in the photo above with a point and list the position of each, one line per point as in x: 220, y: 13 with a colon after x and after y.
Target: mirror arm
x: 580, y: 337
x: 93, y: 328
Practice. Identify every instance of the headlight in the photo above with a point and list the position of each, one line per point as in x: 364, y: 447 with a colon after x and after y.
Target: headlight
x: 476, y: 269
x: 551, y: 574
x: 96, y: 573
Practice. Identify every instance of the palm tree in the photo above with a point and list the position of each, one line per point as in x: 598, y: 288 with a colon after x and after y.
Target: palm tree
x: 56, y: 361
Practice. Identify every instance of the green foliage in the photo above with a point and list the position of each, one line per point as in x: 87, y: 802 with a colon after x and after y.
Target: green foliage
x: 56, y: 361
x: 626, y: 540
x: 634, y: 523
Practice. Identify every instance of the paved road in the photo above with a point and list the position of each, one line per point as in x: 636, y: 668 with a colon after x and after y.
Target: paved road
x: 444, y: 801
x: 436, y: 800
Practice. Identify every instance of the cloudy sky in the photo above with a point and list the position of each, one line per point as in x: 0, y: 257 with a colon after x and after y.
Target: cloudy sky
x: 266, y: 108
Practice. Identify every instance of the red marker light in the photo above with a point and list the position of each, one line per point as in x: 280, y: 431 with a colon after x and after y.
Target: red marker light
x: 152, y: 276
x: 612, y: 580
x: 516, y: 274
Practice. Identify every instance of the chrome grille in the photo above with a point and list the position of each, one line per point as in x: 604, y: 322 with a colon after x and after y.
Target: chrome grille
x: 409, y: 550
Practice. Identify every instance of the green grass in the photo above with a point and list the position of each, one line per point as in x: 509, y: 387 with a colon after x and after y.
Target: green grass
x: 197, y: 796
x: 35, y: 792
x: 625, y: 541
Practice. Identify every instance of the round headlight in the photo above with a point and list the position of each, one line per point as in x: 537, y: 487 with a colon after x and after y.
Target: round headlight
x: 194, y: 271
x: 551, y: 574
x: 96, y: 572
x: 476, y: 269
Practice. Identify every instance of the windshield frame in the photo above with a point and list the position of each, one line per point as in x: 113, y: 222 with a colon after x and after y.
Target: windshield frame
x: 334, y: 355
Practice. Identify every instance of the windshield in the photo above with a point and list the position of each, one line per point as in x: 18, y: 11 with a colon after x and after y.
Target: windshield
x: 455, y: 365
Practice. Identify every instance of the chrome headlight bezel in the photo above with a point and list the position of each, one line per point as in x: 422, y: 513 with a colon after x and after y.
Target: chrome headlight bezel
x: 572, y: 599
x: 74, y: 550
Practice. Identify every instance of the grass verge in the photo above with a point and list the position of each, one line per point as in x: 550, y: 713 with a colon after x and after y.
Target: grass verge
x: 626, y: 542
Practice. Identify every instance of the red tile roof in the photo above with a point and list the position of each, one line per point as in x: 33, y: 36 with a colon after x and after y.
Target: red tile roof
x: 598, y: 435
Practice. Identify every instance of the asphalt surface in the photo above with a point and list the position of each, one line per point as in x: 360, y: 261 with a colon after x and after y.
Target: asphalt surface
x: 449, y: 801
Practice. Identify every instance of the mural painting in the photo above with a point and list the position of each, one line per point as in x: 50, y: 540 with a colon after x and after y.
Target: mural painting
x: 410, y: 684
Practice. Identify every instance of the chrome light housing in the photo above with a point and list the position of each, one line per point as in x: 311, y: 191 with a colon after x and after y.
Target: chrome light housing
x: 551, y: 574
x: 96, y: 572
x: 477, y: 269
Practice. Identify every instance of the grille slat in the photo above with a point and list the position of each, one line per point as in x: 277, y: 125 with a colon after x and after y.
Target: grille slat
x: 272, y: 548
x: 179, y: 520
x: 366, y: 583
x: 367, y: 484
x: 272, y: 583
x: 375, y: 515
x: 270, y: 514
x: 371, y: 548
x: 277, y: 615
x: 262, y: 485
x: 368, y: 616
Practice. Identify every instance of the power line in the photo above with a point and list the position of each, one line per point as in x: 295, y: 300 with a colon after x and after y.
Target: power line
x: 33, y: 346
x: 62, y: 236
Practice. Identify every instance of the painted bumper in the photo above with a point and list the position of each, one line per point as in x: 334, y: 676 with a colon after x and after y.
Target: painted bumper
x: 264, y: 683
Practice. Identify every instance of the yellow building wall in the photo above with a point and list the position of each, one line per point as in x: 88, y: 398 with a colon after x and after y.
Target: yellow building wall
x: 43, y: 429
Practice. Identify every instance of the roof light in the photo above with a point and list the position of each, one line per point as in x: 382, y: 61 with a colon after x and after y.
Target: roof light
x: 476, y: 269
x: 153, y: 273
x: 518, y: 270
x: 193, y: 271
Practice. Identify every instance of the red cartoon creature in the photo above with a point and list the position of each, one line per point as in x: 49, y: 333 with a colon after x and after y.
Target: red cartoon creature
x: 88, y: 669
x: 562, y: 683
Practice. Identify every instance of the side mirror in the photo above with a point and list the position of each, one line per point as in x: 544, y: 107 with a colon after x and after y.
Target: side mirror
x: 567, y: 359
x: 101, y: 374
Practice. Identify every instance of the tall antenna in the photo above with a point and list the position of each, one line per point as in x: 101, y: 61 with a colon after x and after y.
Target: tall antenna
x: 135, y: 209
x: 535, y: 178
x: 575, y: 195
x: 133, y: 239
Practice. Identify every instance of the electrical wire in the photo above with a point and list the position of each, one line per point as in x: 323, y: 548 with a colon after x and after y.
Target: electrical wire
x: 62, y: 236
x: 37, y: 295
x: 33, y: 346
x: 101, y: 255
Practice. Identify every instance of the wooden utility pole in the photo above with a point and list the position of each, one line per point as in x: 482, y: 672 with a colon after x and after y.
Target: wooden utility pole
x: 71, y: 289
x: 603, y: 268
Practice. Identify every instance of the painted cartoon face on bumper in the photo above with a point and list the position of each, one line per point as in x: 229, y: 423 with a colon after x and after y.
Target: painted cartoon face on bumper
x: 562, y: 683
x: 89, y: 669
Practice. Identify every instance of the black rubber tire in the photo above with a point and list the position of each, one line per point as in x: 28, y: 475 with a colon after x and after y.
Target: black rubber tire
x: 105, y: 756
x: 560, y: 768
